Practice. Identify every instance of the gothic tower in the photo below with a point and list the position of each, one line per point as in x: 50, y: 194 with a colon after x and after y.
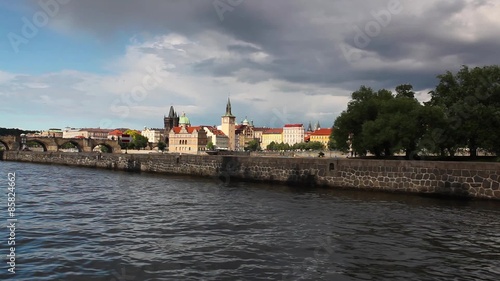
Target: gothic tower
x: 228, y: 126
x: 170, y: 121
x: 317, y: 126
x: 309, y: 128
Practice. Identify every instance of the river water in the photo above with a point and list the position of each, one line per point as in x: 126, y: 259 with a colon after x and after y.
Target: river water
x: 89, y: 224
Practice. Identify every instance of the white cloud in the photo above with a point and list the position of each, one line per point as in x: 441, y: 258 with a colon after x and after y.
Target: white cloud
x: 277, y: 68
x: 6, y: 77
x: 35, y: 85
x: 92, y: 98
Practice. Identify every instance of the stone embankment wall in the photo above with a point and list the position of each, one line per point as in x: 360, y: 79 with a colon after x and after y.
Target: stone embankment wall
x: 461, y: 179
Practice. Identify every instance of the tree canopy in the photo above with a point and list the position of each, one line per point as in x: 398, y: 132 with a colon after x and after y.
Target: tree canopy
x: 210, y: 145
x: 138, y: 141
x: 463, y: 112
x: 252, y: 145
x: 312, y: 145
x: 161, y: 145
x: 14, y: 132
x: 470, y: 101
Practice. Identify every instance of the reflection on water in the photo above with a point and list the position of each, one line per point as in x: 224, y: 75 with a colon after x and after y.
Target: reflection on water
x: 87, y: 224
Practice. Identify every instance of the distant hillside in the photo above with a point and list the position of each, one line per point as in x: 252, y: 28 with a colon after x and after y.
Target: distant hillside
x: 13, y: 132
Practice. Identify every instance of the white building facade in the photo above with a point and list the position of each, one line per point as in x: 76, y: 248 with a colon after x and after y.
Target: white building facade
x: 293, y: 133
x: 217, y: 137
x: 153, y: 135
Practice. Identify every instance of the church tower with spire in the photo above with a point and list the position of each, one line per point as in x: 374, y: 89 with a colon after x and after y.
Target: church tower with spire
x: 170, y: 121
x: 228, y: 126
x: 317, y: 126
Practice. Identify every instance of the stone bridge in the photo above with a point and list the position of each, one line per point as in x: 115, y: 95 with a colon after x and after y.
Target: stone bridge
x: 55, y: 144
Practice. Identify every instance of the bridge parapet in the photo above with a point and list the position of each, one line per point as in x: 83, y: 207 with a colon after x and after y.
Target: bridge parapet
x: 54, y: 144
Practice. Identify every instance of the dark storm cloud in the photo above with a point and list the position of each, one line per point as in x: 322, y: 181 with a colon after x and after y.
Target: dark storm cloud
x: 304, y: 39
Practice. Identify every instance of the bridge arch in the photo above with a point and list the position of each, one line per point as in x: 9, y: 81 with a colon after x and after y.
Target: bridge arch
x: 5, y: 145
x: 38, y: 142
x: 108, y: 147
x: 74, y: 143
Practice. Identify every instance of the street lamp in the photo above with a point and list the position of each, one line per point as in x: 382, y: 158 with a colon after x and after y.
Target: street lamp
x: 23, y: 141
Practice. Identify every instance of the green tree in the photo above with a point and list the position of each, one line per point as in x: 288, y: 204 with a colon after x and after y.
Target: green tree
x: 470, y: 100
x: 438, y: 137
x: 253, y: 145
x: 382, y: 123
x: 15, y: 132
x: 139, y: 141
x: 300, y: 145
x: 332, y: 144
x: 272, y: 146
x: 283, y: 146
x: 315, y: 145
x: 162, y: 146
x: 405, y: 90
x: 68, y: 145
x: 364, y: 106
x: 278, y: 146
x: 210, y: 145
x: 311, y: 145
x: 132, y: 144
x: 401, y: 123
x: 132, y: 133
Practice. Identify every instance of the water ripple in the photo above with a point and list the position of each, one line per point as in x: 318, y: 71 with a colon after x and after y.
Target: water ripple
x: 87, y: 224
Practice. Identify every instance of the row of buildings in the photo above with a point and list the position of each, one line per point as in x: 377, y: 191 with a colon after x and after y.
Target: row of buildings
x: 181, y: 136
x: 153, y: 135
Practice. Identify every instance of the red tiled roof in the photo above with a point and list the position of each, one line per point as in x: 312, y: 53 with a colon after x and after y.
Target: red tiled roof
x: 273, y: 131
x: 292, y: 125
x: 189, y: 129
x: 322, y: 132
x: 218, y: 133
x: 214, y: 130
x: 116, y: 133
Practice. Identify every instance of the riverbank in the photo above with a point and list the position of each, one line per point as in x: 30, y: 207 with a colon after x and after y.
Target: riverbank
x: 453, y: 179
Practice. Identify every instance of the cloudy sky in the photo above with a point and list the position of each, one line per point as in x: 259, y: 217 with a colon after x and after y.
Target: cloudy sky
x: 123, y: 63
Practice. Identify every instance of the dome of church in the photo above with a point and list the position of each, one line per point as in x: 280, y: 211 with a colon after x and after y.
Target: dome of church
x: 183, y: 120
